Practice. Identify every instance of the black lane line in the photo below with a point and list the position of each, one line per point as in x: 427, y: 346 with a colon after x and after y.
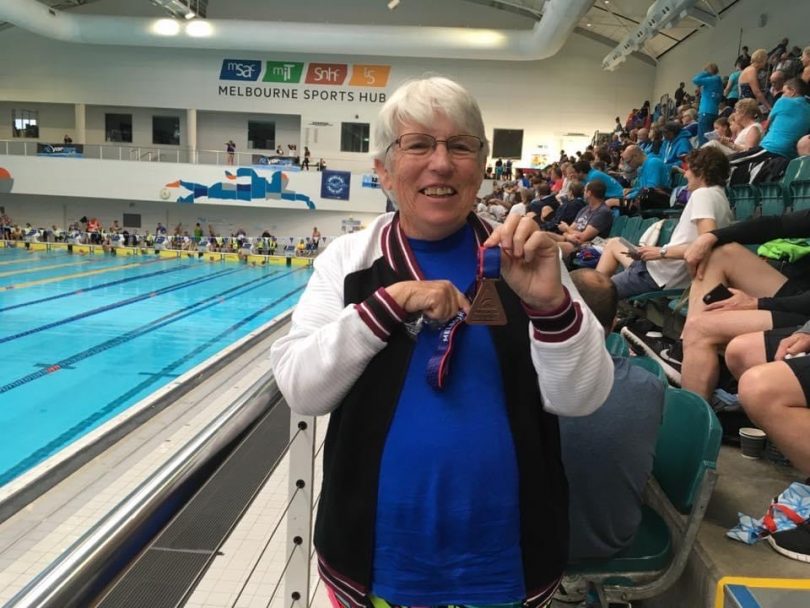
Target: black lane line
x: 86, y: 289
x: 119, y: 304
x: 81, y: 426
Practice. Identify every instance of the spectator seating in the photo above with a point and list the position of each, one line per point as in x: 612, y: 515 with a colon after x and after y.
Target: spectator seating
x: 683, y: 480
x: 618, y: 225
x: 743, y: 199
x: 617, y: 346
x: 651, y: 365
x: 774, y: 198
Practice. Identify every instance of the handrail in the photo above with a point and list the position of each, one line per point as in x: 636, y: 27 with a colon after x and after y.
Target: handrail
x: 62, y: 583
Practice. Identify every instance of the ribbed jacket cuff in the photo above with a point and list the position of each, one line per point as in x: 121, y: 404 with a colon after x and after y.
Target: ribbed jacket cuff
x: 381, y: 313
x: 556, y: 325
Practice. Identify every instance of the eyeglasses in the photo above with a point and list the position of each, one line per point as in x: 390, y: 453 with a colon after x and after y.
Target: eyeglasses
x: 422, y: 144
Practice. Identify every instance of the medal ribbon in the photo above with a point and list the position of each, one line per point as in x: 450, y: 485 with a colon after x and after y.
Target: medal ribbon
x: 488, y: 267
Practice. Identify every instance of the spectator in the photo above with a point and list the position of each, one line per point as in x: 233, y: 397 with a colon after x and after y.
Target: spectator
x: 316, y: 238
x: 746, y: 118
x: 777, y: 80
x: 689, y: 122
x: 651, y: 188
x: 5, y: 223
x: 230, y: 150
x: 618, y: 127
x: 592, y: 221
x: 732, y: 89
x: 279, y: 150
x: 711, y: 90
x: 675, y: 145
x: 610, y: 453
x: 777, y: 52
x: 724, y: 110
x: 68, y: 140
x: 643, y: 140
x: 749, y: 79
x: 774, y: 387
x: 566, y: 212
x: 787, y: 123
x: 585, y: 174
x: 743, y: 59
x: 404, y: 458
x: 763, y: 298
x: 663, y: 267
x: 499, y: 169
x: 679, y: 95
x: 805, y: 59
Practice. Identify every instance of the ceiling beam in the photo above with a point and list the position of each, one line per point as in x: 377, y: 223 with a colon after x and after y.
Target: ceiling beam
x: 701, y: 16
x: 609, y: 42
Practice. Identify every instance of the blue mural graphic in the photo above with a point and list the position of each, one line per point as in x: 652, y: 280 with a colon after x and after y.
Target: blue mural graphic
x: 259, y: 188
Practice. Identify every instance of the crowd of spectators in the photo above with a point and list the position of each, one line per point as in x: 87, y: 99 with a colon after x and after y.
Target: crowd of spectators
x: 682, y: 155
x: 91, y: 231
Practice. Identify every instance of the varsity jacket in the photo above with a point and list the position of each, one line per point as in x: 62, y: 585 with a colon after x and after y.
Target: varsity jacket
x: 347, y: 354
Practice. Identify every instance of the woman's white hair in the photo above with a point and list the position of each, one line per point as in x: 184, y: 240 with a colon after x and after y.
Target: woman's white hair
x: 418, y: 102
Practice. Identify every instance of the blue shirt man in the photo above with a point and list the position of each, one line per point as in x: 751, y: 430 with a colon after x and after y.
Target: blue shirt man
x: 586, y: 173
x: 651, y: 173
x: 676, y: 144
x: 789, y: 120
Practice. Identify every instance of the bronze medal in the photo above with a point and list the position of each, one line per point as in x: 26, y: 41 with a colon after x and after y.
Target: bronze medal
x: 487, y: 308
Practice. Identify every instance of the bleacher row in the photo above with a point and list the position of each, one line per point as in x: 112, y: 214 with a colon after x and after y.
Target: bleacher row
x: 792, y: 193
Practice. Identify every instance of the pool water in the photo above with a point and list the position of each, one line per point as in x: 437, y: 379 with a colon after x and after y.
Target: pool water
x: 84, y: 337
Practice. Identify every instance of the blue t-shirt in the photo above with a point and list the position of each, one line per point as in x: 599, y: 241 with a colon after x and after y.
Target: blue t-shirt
x: 614, y: 188
x: 734, y: 81
x: 448, y: 519
x: 652, y: 174
x: 788, y: 121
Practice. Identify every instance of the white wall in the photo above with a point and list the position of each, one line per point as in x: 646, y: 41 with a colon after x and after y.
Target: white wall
x: 547, y: 99
x: 783, y: 18
x: 566, y: 93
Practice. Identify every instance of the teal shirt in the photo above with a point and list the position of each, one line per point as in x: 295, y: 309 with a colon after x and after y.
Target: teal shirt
x: 787, y: 123
x: 652, y: 174
x: 613, y: 188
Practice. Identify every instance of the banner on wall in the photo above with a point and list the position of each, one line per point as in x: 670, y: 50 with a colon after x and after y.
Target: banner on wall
x: 371, y: 180
x: 60, y: 150
x: 335, y: 184
x: 341, y: 80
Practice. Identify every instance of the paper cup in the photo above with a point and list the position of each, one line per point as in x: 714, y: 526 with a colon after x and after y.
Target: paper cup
x: 752, y: 442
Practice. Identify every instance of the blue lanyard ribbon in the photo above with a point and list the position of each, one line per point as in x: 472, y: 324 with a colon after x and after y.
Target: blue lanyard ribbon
x: 438, y: 367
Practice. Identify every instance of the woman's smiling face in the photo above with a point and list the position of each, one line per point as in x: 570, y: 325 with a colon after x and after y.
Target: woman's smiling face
x: 435, y: 191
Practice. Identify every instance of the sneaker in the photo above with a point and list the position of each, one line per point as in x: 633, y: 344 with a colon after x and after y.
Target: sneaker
x: 673, y: 355
x: 794, y: 543
x: 652, y: 346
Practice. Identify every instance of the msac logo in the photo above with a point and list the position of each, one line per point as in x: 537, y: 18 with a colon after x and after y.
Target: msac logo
x: 240, y: 69
x: 335, y: 184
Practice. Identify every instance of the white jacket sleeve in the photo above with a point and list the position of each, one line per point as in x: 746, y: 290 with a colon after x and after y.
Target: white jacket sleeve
x: 574, y: 369
x: 329, y: 344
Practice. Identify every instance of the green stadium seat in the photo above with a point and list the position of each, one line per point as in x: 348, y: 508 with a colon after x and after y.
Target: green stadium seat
x: 651, y: 365
x: 630, y: 230
x: 618, y: 225
x: 684, y: 476
x: 616, y: 345
x: 744, y: 199
x: 800, y: 194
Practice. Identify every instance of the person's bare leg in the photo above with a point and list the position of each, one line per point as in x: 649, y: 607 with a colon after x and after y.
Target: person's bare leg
x: 612, y: 256
x: 774, y: 400
x: 744, y: 352
x: 735, y: 266
x: 704, y: 333
x: 566, y: 248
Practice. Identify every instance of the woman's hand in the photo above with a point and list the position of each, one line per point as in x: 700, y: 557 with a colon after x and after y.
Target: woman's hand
x: 530, y: 262
x: 437, y: 300
x: 738, y: 301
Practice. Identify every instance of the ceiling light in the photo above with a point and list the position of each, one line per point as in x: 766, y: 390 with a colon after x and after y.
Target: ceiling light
x: 190, y: 15
x: 393, y: 4
x: 588, y: 24
x: 166, y: 27
x: 199, y: 29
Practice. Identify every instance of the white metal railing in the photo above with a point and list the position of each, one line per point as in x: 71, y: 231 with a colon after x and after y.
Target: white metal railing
x: 177, y: 154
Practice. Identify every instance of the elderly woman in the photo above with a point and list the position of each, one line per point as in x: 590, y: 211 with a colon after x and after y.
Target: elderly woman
x: 655, y: 268
x: 425, y: 407
x: 749, y: 131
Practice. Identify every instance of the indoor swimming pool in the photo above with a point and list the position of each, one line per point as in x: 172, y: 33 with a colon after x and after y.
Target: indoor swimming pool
x: 83, y: 337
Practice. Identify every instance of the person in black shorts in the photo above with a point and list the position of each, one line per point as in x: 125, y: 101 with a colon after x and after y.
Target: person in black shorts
x: 763, y: 298
x: 774, y: 386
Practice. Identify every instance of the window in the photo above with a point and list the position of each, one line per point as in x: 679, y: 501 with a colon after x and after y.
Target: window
x: 166, y: 130
x: 354, y: 137
x: 25, y: 123
x: 132, y: 220
x: 261, y: 135
x: 507, y: 143
x: 118, y: 127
